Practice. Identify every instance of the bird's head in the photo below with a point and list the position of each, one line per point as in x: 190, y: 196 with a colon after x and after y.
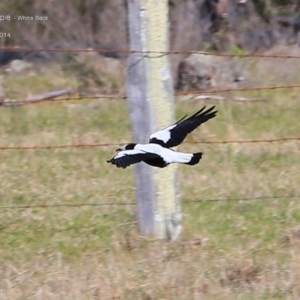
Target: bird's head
x: 126, y: 147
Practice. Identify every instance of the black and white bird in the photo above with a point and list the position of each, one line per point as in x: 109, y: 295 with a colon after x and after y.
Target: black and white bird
x: 157, y: 152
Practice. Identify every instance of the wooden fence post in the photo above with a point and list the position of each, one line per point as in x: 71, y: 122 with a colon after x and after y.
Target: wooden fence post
x: 151, y: 106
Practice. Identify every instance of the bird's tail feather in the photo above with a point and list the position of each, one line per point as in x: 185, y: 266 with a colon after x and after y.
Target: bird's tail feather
x: 188, y: 159
x: 195, y: 159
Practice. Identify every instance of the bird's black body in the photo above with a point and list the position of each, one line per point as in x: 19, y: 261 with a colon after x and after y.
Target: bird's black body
x: 158, y: 153
x: 156, y: 162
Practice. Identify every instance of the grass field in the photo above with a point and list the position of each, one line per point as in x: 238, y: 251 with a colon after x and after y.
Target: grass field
x: 229, y: 249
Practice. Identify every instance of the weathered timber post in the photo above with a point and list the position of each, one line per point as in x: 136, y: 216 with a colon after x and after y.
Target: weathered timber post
x: 151, y: 106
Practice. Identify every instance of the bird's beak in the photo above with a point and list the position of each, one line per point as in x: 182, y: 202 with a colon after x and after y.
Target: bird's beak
x: 120, y: 149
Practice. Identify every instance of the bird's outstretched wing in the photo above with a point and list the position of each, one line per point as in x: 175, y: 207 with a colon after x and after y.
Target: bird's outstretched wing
x: 129, y: 157
x: 175, y: 134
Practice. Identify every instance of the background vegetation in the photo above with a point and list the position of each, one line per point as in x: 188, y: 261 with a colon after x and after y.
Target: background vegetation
x: 230, y: 249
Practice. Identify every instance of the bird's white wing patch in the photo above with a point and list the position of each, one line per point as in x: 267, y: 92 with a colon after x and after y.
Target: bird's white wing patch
x: 163, y: 135
x: 175, y: 134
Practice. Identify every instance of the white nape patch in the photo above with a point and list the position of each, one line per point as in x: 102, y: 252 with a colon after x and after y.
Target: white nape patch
x: 163, y: 135
x: 165, y: 153
x: 168, y: 155
x: 150, y: 148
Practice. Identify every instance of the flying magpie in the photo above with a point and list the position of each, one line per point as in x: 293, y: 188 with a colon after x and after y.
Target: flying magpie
x: 157, y: 152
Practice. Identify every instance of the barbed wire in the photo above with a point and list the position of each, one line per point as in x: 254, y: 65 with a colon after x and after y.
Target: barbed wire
x: 255, y: 89
x: 243, y: 199
x: 247, y: 141
x: 126, y: 51
x: 24, y: 102
x: 122, y: 97
x: 65, y: 205
x: 36, y: 147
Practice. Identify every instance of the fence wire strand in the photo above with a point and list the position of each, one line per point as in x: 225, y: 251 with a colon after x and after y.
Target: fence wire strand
x: 149, y: 54
x: 127, y: 51
x: 146, y: 54
x: 123, y: 97
x: 82, y: 146
x: 133, y: 203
